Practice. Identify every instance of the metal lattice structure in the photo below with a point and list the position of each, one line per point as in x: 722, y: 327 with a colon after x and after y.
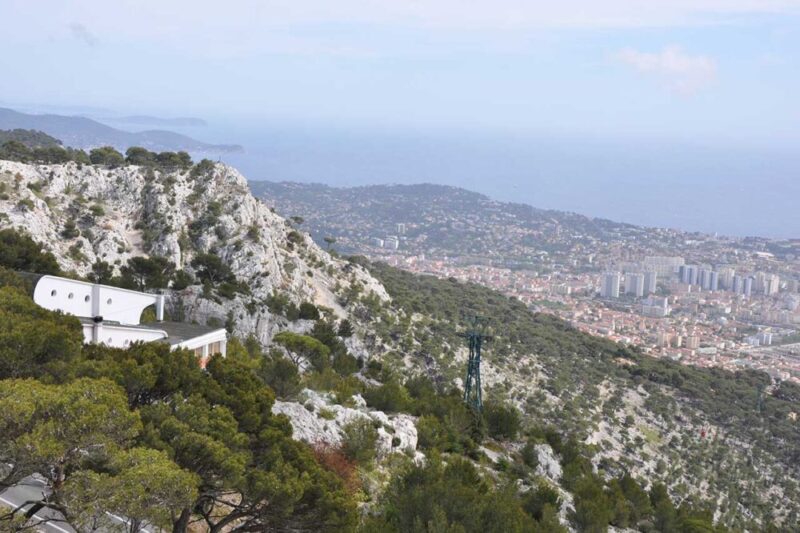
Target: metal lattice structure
x: 472, y: 385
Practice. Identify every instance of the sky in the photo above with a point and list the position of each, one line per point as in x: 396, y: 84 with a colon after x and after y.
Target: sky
x: 678, y: 113
x: 685, y: 69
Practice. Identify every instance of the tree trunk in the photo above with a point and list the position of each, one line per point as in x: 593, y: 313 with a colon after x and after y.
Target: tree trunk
x: 180, y: 525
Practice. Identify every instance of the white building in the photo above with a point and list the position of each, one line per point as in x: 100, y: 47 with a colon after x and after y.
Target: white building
x: 663, y: 265
x: 713, y: 281
x: 112, y: 316
x: 688, y: 274
x: 634, y: 284
x: 737, y: 285
x: 704, y: 278
x: 654, y: 306
x: 764, y: 338
x: 772, y: 284
x: 610, y: 288
x: 726, y: 275
x: 392, y: 242
x: 650, y: 282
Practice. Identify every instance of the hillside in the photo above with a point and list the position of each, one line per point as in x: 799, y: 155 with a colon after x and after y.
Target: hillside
x: 161, y: 122
x: 30, y: 138
x: 442, y: 221
x: 438, y: 219
x: 90, y: 214
x: 367, y: 363
x: 699, y: 431
x: 81, y: 132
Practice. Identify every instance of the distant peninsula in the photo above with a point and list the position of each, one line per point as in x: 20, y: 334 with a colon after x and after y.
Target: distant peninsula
x: 82, y: 132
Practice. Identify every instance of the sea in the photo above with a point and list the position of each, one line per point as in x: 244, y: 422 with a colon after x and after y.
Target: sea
x: 694, y: 186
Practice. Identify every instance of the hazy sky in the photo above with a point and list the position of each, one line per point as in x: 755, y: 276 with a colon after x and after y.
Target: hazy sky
x: 696, y: 70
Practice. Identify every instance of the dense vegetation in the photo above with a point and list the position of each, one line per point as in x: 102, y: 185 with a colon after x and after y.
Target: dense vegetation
x: 52, y: 154
x: 144, y: 432
x: 30, y: 138
x: 577, y: 364
x: 728, y: 399
x: 30, y: 146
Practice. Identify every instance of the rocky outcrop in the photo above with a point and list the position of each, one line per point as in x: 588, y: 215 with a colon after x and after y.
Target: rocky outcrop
x: 90, y: 213
x: 316, y: 419
x: 549, y: 465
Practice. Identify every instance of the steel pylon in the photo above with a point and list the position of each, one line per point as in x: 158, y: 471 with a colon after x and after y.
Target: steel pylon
x: 472, y: 385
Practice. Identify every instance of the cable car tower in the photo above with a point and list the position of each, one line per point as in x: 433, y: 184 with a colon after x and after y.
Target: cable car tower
x: 475, y: 338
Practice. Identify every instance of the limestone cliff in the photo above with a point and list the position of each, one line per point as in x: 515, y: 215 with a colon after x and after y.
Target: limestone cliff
x: 91, y: 213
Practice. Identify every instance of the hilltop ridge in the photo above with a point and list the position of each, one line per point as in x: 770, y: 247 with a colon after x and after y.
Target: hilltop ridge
x: 82, y: 132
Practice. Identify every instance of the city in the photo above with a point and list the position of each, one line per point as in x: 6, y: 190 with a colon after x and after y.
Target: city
x: 695, y: 315
x: 704, y: 300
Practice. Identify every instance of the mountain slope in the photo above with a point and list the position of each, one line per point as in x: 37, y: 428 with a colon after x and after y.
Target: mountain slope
x: 81, y: 132
x: 698, y: 431
x: 88, y: 214
x: 30, y: 138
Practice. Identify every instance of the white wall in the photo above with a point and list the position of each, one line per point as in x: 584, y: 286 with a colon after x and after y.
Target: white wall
x: 119, y: 336
x: 89, y: 300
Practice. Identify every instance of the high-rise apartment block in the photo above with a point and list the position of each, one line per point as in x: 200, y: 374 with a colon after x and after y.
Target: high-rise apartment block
x: 650, y: 282
x: 688, y: 274
x: 610, y: 286
x: 726, y: 275
x: 634, y: 284
x: 391, y: 242
x: 713, y: 281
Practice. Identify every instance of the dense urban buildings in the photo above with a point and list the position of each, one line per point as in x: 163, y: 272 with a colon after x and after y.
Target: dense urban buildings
x: 705, y: 300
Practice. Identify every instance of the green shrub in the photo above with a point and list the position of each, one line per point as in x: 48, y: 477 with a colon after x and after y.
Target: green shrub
x: 345, y: 328
x: 451, y: 498
x: 529, y: 455
x: 277, y: 303
x: 390, y: 397
x: 535, y: 500
x: 25, y: 204
x: 431, y: 433
x: 502, y: 420
x: 293, y: 237
x: 181, y: 280
x: 280, y: 375
x: 308, y: 311
x: 359, y: 438
x: 19, y: 252
x: 70, y: 230
x: 107, y: 156
x: 345, y: 364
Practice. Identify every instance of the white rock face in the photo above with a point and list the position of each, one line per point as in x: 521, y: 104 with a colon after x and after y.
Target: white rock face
x: 132, y: 211
x: 316, y: 419
x: 548, y: 466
